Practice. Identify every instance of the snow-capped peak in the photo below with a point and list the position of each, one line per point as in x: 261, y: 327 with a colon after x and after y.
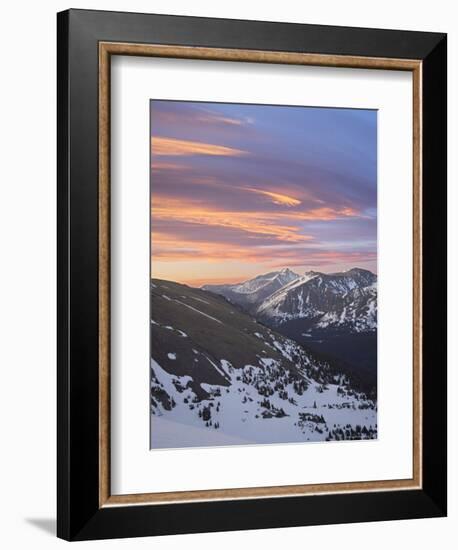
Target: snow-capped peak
x: 344, y: 299
x: 253, y: 291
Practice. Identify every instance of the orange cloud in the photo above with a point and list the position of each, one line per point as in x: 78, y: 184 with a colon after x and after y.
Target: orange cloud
x: 167, y: 248
x: 281, y: 199
x: 166, y: 208
x: 271, y: 238
x: 327, y: 213
x: 277, y: 198
x: 171, y: 147
x: 159, y: 166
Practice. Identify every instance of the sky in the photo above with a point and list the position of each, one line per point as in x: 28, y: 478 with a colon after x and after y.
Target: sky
x: 238, y: 190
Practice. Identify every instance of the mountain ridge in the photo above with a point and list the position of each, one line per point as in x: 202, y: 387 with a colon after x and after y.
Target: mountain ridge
x: 345, y: 299
x: 251, y: 292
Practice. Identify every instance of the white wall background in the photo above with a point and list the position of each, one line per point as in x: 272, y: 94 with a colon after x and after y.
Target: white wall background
x: 27, y: 273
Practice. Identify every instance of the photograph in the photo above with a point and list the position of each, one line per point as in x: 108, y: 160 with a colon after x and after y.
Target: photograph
x: 263, y: 274
x: 233, y: 192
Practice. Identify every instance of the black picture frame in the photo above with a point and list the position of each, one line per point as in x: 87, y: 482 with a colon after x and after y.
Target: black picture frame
x: 79, y: 514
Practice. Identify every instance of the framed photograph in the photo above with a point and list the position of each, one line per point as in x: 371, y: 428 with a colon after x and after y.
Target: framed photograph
x: 251, y: 274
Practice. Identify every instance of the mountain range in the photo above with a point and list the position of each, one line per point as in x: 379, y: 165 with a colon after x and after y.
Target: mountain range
x: 221, y: 377
x: 333, y: 314
x: 344, y: 300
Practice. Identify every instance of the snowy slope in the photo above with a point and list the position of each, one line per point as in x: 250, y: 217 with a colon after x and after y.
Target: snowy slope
x: 251, y: 293
x: 345, y: 300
